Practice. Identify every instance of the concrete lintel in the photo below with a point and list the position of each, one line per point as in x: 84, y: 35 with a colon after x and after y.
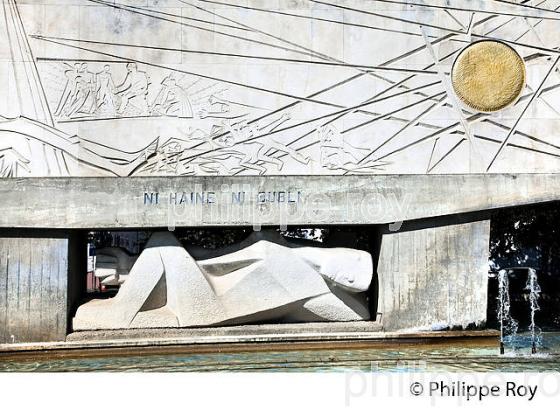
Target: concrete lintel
x: 76, y: 203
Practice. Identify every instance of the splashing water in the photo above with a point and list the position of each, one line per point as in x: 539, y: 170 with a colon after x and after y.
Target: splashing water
x: 508, y: 325
x: 534, y: 289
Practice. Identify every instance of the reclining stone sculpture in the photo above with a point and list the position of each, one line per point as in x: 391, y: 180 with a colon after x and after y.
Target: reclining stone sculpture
x: 263, y: 282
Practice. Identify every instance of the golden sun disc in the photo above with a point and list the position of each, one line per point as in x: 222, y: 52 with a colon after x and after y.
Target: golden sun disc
x: 488, y: 76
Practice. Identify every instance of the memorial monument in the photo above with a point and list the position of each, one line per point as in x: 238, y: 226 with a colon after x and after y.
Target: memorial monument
x: 412, y: 117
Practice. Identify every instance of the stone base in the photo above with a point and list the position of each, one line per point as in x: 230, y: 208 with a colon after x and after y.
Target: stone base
x: 434, y: 275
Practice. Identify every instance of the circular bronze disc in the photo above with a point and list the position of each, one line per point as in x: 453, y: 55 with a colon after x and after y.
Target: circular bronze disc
x: 488, y: 76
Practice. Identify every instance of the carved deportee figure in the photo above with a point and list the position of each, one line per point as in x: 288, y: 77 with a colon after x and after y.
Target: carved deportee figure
x: 106, y: 90
x: 262, y: 282
x: 69, y: 89
x: 134, y: 90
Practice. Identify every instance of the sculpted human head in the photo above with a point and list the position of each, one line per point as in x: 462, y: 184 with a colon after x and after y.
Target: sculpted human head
x: 347, y: 268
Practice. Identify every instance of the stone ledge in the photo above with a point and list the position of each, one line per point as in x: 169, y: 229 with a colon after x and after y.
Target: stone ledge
x: 246, y: 338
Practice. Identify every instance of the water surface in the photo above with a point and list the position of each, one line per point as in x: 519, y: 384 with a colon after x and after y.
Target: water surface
x: 438, y: 357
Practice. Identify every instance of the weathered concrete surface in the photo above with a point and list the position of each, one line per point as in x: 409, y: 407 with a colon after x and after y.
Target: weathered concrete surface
x: 39, y: 284
x: 33, y: 289
x: 243, y: 338
x: 434, y: 277
x: 121, y: 202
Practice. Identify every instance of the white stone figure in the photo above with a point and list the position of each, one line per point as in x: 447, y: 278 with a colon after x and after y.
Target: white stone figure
x: 134, y: 90
x: 172, y: 100
x: 90, y: 80
x: 80, y: 96
x: 337, y: 154
x: 105, y: 91
x: 265, y: 281
x: 69, y: 89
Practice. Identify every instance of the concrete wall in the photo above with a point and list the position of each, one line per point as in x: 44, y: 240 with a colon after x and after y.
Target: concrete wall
x: 433, y: 275
x: 37, y: 285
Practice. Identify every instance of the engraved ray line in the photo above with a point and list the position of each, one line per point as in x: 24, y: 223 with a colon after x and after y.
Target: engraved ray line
x: 320, y: 55
x: 446, y: 154
x: 520, y: 117
x: 283, y: 13
x: 538, y: 151
x: 373, y: 97
x: 212, y: 23
x: 524, y: 5
x: 453, y: 127
x: 517, y: 43
x: 379, y: 117
x: 402, y: 20
x: 134, y: 10
x: 440, y: 28
x: 390, y: 88
x: 432, y: 154
x: 123, y: 7
x: 147, y: 63
x: 393, y: 118
x: 245, y: 56
x: 21, y: 47
x: 511, y: 20
x: 521, y: 133
x: 448, y: 88
x: 18, y: 92
x: 35, y: 74
x: 415, y: 120
x: 470, y: 26
x: 449, y: 7
x: 309, y: 121
x: 344, y: 114
x: 540, y: 40
x: 406, y: 79
x: 456, y: 20
x: 399, y: 84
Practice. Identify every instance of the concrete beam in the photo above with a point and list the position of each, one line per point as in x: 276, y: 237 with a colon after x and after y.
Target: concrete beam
x: 219, y: 201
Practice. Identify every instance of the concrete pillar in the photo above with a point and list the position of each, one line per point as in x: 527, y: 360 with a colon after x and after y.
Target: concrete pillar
x: 42, y: 275
x: 434, y: 274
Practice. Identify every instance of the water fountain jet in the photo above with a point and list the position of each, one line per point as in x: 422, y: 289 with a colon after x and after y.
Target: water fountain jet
x: 507, y: 323
x: 534, y: 289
